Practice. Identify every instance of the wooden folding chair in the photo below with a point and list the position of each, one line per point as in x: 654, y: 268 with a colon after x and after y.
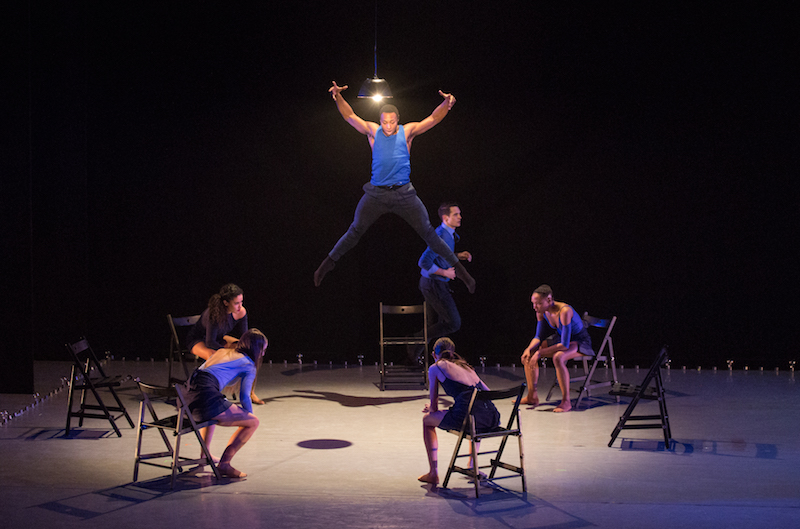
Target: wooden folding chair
x: 177, y: 353
x: 87, y: 376
x: 179, y: 424
x: 605, y: 353
x: 468, y: 432
x: 402, y: 375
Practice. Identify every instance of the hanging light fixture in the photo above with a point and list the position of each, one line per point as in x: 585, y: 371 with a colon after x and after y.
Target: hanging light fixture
x: 375, y: 88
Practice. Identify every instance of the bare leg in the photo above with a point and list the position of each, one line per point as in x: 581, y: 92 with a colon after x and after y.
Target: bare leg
x: 202, y: 351
x: 562, y: 373
x: 246, y: 424
x: 207, y: 433
x: 429, y: 424
x: 481, y: 475
x: 532, y: 378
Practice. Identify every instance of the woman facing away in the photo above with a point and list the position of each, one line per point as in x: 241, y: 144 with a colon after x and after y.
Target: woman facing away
x: 458, y: 379
x: 206, y: 401
x: 219, y: 324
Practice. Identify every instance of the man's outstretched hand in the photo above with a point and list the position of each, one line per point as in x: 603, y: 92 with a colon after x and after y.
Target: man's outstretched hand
x: 450, y: 98
x: 335, y: 89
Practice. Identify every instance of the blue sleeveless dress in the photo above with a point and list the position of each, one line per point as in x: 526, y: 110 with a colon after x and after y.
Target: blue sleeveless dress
x: 485, y: 413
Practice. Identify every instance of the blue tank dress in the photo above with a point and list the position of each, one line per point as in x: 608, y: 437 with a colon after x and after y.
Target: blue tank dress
x: 485, y: 413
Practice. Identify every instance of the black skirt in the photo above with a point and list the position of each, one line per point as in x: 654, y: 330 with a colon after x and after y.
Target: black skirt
x: 204, y: 398
x: 485, y: 413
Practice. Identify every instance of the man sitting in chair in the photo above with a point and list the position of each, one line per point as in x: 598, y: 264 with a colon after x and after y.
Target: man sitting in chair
x: 570, y: 340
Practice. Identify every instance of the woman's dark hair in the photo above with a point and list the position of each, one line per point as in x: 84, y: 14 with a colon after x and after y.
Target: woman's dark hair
x: 252, y: 344
x: 445, y: 349
x: 217, y: 311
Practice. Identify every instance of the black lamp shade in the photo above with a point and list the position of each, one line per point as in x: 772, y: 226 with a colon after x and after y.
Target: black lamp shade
x: 375, y: 88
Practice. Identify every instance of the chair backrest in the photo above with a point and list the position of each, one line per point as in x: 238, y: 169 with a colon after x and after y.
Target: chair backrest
x: 156, y: 392
x: 402, y: 309
x: 602, y: 323
x: 492, y: 395
x: 185, y: 419
x: 176, y: 322
x: 84, y: 357
x: 395, y: 310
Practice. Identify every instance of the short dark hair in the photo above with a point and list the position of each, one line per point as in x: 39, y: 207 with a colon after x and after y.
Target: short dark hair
x: 445, y: 207
x: 390, y: 109
x: 543, y: 290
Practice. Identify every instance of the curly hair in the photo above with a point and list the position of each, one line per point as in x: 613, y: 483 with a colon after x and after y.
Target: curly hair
x: 217, y: 312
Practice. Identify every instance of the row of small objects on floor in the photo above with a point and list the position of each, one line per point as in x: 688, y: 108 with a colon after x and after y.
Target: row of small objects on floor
x: 6, y: 416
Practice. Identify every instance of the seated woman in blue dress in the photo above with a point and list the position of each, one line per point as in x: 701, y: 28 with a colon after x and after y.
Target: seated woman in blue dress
x: 206, y: 401
x: 571, y: 340
x: 458, y: 379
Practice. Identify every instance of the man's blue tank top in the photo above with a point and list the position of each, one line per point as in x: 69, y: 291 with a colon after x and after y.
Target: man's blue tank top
x: 391, y: 162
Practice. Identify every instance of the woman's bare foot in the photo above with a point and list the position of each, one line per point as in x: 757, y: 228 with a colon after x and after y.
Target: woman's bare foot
x: 563, y: 407
x: 228, y: 471
x: 254, y: 398
x: 430, y: 477
x: 214, y: 459
x: 529, y: 400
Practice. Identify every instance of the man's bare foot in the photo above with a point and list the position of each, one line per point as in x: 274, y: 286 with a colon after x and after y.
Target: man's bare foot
x: 228, y: 471
x: 529, y: 401
x: 255, y: 400
x: 433, y: 479
x: 563, y: 407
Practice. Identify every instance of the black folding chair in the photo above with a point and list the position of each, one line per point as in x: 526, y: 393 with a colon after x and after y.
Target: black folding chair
x: 402, y: 376
x: 179, y: 424
x: 605, y: 353
x: 87, y: 376
x: 645, y: 391
x: 177, y: 353
x: 468, y: 432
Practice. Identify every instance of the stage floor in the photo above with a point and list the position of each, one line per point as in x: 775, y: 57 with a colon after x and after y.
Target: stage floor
x: 334, y: 451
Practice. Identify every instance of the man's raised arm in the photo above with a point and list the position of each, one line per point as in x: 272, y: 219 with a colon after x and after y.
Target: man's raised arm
x: 347, y: 111
x: 438, y: 114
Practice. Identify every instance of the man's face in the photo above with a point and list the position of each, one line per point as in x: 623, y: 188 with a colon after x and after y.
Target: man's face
x: 541, y: 303
x: 389, y: 123
x: 453, y: 220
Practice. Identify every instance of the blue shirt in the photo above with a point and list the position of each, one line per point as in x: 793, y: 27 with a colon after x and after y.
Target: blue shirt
x: 430, y: 262
x: 227, y: 372
x: 391, y: 161
x: 565, y: 333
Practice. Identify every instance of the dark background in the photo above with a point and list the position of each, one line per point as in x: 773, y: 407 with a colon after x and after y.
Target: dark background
x: 635, y: 156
